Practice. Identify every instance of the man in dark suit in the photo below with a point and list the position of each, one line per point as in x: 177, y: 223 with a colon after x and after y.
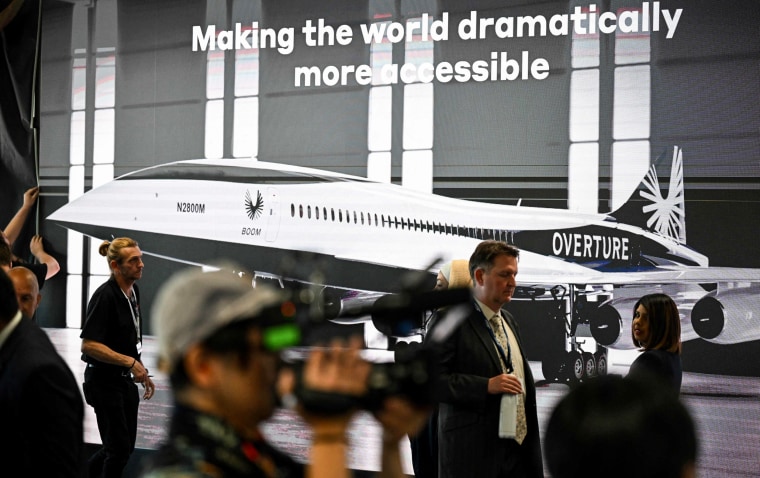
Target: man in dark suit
x: 485, y: 377
x: 41, y: 409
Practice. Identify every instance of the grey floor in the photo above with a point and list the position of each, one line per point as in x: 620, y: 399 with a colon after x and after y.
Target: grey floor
x: 726, y: 410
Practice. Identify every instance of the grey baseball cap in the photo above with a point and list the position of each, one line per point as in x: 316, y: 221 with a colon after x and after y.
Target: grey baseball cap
x: 194, y: 304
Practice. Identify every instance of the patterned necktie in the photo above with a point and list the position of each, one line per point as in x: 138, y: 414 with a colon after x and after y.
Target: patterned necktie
x: 499, y: 332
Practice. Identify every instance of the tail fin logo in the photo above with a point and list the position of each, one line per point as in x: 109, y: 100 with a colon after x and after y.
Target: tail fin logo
x: 666, y: 214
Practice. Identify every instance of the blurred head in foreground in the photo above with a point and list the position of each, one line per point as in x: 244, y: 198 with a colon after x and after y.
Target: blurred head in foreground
x: 213, y: 337
x: 622, y: 427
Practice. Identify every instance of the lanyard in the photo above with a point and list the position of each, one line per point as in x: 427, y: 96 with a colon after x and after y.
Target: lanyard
x: 135, y: 310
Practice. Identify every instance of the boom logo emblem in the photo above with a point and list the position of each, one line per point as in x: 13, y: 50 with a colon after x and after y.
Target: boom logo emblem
x: 254, y: 209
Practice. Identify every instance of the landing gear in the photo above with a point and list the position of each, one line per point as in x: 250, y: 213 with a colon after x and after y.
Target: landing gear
x: 589, y: 365
x: 571, y: 353
x: 601, y: 362
x: 575, y: 366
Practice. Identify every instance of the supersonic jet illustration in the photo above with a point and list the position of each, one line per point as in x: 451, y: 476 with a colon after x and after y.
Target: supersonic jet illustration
x: 365, y: 235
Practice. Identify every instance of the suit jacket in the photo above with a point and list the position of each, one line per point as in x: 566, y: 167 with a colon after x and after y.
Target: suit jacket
x: 41, y: 409
x: 468, y: 418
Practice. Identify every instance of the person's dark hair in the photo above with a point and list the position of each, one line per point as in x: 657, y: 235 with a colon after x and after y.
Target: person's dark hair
x: 487, y: 252
x: 6, y: 256
x: 231, y: 340
x: 8, y: 303
x: 621, y: 427
x: 664, y: 323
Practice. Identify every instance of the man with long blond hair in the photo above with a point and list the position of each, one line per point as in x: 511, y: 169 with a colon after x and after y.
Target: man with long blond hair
x: 111, y: 346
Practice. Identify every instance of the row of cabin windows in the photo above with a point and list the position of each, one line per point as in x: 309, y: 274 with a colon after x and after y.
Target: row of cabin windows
x: 370, y: 219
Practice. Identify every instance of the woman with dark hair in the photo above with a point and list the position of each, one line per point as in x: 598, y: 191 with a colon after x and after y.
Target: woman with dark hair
x: 656, y: 328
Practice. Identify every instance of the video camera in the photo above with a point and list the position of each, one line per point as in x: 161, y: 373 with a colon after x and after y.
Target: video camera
x: 300, y: 322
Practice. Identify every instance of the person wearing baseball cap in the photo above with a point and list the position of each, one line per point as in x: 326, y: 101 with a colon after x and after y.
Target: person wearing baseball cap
x: 219, y: 341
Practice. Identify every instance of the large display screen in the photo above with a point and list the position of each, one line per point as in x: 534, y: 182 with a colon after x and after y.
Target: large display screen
x: 348, y: 146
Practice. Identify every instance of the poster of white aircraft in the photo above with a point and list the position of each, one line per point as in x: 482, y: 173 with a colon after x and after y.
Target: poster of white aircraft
x: 365, y: 235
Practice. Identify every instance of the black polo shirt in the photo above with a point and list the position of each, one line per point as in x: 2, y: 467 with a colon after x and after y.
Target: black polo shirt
x: 110, y: 321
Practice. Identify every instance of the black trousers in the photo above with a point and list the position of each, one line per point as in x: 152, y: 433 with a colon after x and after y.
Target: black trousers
x: 425, y: 448
x: 116, y: 400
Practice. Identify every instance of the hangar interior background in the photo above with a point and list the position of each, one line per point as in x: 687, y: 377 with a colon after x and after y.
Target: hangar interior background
x: 119, y: 89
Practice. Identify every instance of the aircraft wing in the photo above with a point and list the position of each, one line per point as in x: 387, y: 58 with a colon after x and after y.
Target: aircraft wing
x: 717, y: 304
x: 658, y: 275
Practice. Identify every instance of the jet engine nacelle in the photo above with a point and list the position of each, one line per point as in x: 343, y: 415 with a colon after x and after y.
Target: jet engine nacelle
x: 347, y: 307
x: 610, y: 323
x: 728, y: 316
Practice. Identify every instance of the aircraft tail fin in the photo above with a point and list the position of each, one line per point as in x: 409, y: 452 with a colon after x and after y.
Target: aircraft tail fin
x: 649, y: 207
